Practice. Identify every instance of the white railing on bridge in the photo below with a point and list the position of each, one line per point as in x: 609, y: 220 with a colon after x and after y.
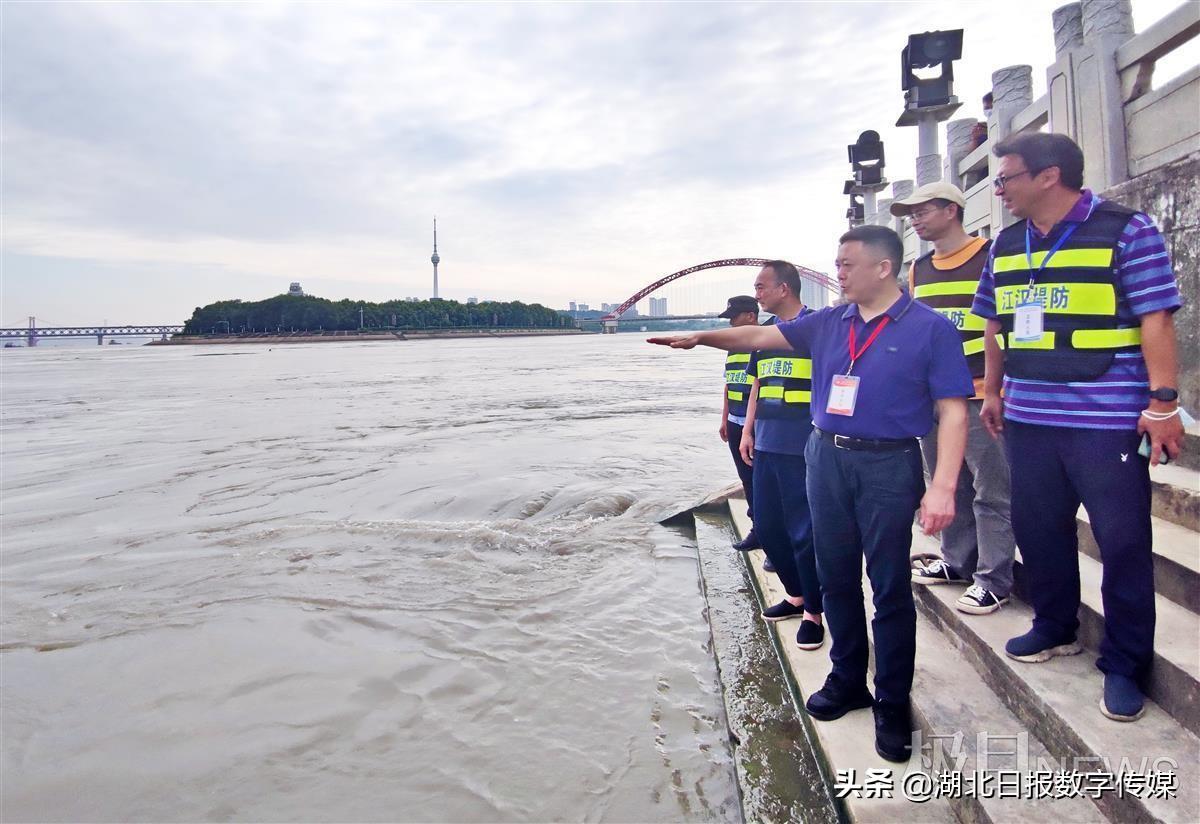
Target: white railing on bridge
x: 1100, y: 92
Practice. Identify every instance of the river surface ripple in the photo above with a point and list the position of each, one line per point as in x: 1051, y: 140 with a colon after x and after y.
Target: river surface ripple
x: 410, y: 581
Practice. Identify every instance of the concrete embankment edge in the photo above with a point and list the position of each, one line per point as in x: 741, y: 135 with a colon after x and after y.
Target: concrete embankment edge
x: 779, y: 773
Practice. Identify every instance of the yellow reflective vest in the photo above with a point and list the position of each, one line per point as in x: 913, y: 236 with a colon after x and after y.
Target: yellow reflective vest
x: 1078, y: 291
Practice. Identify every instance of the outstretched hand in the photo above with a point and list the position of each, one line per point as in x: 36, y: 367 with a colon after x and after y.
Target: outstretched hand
x: 677, y: 341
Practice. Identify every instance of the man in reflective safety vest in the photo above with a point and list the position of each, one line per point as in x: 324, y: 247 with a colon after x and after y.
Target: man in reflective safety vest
x: 740, y: 310
x: 978, y: 547
x: 778, y: 423
x: 1082, y: 293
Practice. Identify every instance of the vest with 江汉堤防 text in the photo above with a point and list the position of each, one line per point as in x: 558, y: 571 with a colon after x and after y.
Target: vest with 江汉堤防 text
x: 950, y: 292
x: 784, y: 381
x: 737, y: 382
x: 1078, y: 293
x: 784, y: 385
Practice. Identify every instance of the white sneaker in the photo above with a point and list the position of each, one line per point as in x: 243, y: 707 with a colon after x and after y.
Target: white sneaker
x: 979, y: 601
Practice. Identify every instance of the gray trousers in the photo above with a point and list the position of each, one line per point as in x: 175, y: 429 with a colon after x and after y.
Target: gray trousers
x: 979, y: 543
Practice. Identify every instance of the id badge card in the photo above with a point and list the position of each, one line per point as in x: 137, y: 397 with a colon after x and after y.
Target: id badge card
x: 1027, y: 324
x: 843, y: 393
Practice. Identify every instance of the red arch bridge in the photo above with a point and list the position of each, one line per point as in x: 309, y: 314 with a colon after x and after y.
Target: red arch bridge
x: 611, y: 320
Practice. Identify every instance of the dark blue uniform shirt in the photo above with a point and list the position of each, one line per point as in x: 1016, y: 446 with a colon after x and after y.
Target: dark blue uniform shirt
x: 916, y: 360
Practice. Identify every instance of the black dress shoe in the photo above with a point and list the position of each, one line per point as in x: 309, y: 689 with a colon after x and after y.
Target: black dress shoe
x: 893, y: 731
x: 837, y: 698
x: 748, y: 543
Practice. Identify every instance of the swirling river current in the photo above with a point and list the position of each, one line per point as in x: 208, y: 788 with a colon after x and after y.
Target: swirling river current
x: 412, y: 581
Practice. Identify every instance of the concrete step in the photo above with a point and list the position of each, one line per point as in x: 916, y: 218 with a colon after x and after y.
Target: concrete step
x: 972, y: 732
x: 1191, y: 447
x: 1176, y: 559
x: 849, y: 742
x: 1176, y: 495
x: 1175, y: 679
x: 1059, y: 702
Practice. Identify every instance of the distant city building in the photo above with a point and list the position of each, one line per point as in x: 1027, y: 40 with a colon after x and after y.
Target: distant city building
x: 413, y: 300
x: 472, y: 301
x: 658, y: 307
x: 583, y: 307
x: 572, y: 306
x: 295, y: 289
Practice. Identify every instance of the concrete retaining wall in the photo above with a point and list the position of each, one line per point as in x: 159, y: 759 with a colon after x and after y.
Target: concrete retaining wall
x: 1171, y: 195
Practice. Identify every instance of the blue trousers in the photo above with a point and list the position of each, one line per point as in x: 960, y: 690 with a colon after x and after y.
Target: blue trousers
x: 1054, y: 470
x: 784, y: 526
x: 863, y: 505
x: 745, y: 472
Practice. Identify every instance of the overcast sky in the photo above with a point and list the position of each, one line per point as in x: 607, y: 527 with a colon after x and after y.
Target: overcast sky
x: 157, y: 157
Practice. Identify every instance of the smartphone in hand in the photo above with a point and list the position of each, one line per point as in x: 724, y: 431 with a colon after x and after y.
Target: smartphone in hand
x: 1144, y: 449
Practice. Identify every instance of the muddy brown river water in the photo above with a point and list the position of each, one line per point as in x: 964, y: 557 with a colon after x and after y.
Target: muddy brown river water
x: 395, y: 581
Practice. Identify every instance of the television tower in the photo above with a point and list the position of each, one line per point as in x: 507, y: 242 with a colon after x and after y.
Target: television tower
x: 435, y: 259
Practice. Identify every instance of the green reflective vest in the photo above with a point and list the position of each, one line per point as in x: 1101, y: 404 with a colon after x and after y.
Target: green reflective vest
x: 737, y: 382
x: 784, y: 385
x: 950, y: 292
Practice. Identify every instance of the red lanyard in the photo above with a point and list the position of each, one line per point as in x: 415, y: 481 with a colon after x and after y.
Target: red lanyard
x: 854, y: 356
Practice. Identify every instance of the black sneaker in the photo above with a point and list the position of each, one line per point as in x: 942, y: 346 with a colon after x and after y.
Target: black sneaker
x: 748, y: 543
x: 782, y: 611
x: 893, y: 732
x: 811, y: 634
x: 936, y: 571
x: 767, y: 565
x: 835, y: 699
x: 979, y: 601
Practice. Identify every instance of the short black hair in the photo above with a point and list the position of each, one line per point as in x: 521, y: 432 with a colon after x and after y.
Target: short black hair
x: 785, y: 273
x: 1041, y: 150
x: 882, y: 240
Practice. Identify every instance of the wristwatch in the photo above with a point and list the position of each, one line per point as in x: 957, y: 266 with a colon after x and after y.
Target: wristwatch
x: 1165, y: 394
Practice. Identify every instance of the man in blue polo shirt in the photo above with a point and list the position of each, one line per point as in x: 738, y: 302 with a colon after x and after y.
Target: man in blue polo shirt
x: 880, y: 367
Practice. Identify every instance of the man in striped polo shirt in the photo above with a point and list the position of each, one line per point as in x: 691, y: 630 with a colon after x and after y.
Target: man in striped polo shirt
x: 1083, y: 292
x: 977, y: 547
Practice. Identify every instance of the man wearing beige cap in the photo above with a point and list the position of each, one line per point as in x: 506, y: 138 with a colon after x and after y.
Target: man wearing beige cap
x: 978, y: 547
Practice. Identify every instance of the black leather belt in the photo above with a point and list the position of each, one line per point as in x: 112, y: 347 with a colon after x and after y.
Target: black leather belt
x: 868, y: 444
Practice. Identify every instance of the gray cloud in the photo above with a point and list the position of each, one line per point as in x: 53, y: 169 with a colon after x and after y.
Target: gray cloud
x: 635, y: 134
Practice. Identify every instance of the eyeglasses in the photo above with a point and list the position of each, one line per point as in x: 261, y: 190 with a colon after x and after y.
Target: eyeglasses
x: 922, y: 214
x: 1000, y: 181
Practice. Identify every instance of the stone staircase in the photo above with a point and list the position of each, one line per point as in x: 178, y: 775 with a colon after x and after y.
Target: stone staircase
x: 975, y: 709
